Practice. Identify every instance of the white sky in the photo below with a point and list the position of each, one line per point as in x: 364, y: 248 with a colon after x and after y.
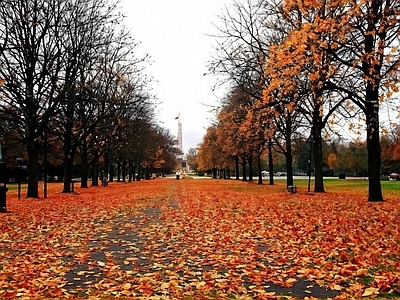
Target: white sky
x: 175, y: 33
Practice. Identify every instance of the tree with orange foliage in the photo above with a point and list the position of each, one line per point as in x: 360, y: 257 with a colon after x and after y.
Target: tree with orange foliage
x: 227, y: 128
x: 300, y: 69
x: 243, y: 131
x: 390, y: 144
x: 368, y: 40
x: 289, y: 124
x: 349, y: 48
x: 396, y: 151
x: 210, y: 154
x: 232, y: 131
x: 241, y: 51
x: 260, y: 132
x: 248, y: 33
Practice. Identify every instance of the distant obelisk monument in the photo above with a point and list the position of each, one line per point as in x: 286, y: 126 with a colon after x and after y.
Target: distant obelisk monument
x: 184, y: 168
x: 180, y: 143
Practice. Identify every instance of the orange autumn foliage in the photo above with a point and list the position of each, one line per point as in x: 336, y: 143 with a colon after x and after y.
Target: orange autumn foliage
x: 242, y: 235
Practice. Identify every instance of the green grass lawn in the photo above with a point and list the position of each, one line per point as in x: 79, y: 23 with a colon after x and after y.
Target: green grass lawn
x: 390, y: 189
x: 387, y: 185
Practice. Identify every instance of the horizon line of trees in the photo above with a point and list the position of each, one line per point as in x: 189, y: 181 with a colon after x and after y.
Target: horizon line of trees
x: 72, y: 84
x: 304, y: 69
x: 339, y: 156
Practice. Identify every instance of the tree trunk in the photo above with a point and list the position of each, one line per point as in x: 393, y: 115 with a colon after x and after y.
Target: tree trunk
x: 237, y: 167
x: 317, y: 151
x: 68, y: 151
x: 123, y: 171
x: 244, y: 170
x: 214, y: 173
x: 250, y: 160
x: 68, y: 166
x: 134, y: 172
x: 373, y: 146
x: 85, y: 167
x: 372, y: 70
x: 111, y: 175
x: 227, y: 173
x: 118, y: 170
x: 107, y: 167
x: 129, y: 171
x: 289, y: 166
x: 139, y: 177
x: 95, y: 169
x: 68, y: 159
x: 33, y: 134
x: 270, y: 163
x: 288, y: 152
x: 260, y: 181
x: 147, y: 173
x: 32, y: 169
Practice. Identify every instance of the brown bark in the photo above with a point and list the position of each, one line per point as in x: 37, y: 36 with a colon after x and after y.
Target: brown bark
x: 317, y: 152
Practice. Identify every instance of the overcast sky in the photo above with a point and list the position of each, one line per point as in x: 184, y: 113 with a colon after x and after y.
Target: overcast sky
x: 175, y: 33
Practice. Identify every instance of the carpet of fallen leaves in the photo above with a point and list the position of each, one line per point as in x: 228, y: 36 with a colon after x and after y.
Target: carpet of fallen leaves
x: 193, y: 239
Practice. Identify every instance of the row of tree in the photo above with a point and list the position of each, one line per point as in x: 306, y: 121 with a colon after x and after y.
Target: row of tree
x: 71, y: 83
x: 305, y: 68
x: 348, y: 157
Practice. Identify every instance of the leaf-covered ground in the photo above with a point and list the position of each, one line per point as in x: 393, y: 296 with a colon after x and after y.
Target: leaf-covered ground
x: 194, y: 239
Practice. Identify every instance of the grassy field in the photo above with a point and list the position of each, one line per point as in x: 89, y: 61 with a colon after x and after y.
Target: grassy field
x: 335, y: 184
x: 390, y: 187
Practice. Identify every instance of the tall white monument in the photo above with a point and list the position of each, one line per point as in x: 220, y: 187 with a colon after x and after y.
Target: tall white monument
x: 180, y: 143
x: 184, y: 168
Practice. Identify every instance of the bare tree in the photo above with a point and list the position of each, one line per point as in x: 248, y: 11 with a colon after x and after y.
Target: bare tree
x: 31, y: 64
x: 241, y: 48
x: 99, y: 74
x: 64, y: 66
